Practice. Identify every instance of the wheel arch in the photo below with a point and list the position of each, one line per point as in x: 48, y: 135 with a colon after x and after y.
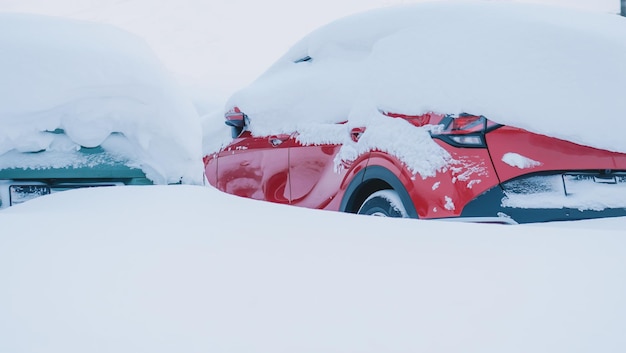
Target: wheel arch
x: 370, y: 180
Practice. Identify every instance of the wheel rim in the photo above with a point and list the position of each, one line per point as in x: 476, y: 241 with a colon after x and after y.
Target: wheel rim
x: 383, y: 203
x: 379, y: 214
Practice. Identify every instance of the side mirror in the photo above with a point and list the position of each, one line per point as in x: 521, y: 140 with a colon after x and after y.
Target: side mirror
x: 236, y: 120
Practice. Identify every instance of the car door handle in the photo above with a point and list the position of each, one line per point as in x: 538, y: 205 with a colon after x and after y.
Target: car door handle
x: 276, y: 140
x: 355, y: 133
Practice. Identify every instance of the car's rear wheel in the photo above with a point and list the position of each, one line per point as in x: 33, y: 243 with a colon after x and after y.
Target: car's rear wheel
x: 384, y: 203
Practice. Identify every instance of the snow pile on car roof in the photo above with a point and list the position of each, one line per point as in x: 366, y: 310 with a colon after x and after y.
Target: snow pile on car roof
x: 102, y: 87
x: 555, y: 71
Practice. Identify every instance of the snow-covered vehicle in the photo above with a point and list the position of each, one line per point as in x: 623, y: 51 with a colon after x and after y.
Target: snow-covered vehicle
x: 84, y: 104
x: 487, y: 112
x: 24, y: 176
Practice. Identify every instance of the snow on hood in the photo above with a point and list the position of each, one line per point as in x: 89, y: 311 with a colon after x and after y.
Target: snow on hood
x: 550, y: 70
x: 96, y: 83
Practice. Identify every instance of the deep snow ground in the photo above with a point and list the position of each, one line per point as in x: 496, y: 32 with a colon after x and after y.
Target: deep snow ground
x: 190, y: 269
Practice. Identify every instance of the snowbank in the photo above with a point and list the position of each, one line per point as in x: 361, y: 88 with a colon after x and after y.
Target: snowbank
x: 177, y: 270
x: 551, y: 70
x: 96, y: 83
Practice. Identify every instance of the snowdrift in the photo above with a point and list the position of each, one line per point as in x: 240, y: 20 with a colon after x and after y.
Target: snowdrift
x: 100, y: 86
x: 550, y: 70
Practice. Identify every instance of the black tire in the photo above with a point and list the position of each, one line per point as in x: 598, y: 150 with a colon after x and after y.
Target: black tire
x: 384, y: 203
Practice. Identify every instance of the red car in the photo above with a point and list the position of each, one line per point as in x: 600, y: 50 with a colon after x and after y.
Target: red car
x: 366, y: 115
x: 550, y: 180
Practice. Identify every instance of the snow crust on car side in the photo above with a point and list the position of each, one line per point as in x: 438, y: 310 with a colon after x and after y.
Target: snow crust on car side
x: 102, y: 87
x: 517, y: 160
x: 550, y: 70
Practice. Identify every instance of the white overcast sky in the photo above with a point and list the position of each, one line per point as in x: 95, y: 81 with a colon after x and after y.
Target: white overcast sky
x: 218, y: 46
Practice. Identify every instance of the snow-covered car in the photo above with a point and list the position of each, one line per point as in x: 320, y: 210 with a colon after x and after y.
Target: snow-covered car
x: 24, y: 176
x: 485, y: 112
x: 85, y: 104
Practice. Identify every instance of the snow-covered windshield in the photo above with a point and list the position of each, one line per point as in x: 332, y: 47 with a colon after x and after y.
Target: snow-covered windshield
x: 550, y: 70
x: 102, y: 87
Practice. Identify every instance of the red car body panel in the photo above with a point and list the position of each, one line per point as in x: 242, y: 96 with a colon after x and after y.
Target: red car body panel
x: 280, y: 169
x: 553, y: 154
x: 313, y: 182
x: 255, y: 168
x: 450, y: 189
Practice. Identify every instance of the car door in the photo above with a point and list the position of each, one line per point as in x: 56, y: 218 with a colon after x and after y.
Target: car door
x: 255, y: 167
x: 313, y: 177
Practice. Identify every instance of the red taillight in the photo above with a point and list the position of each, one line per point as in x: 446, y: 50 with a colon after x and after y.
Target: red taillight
x: 463, y: 131
x: 468, y: 123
